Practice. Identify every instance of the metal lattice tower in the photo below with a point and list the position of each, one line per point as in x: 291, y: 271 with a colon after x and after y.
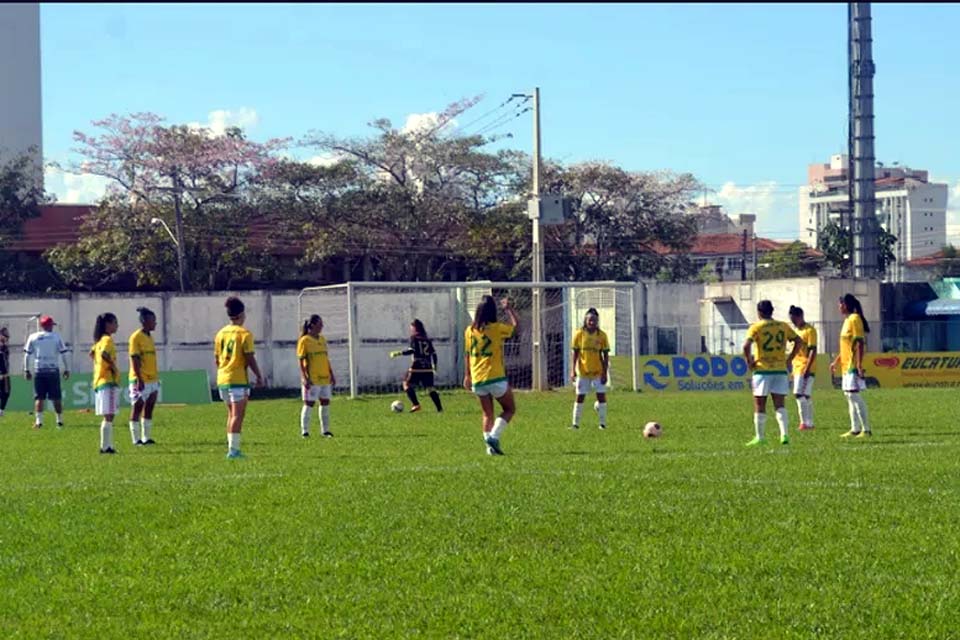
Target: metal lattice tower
x: 863, y: 203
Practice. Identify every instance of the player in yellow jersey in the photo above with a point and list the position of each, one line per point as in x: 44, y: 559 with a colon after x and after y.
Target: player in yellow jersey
x: 485, y: 373
x: 316, y: 375
x: 769, y: 369
x: 804, y: 367
x: 853, y: 346
x: 106, y: 377
x: 233, y: 354
x: 590, y: 365
x: 144, y: 378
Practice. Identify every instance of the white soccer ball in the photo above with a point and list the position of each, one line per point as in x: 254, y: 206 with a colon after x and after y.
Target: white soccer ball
x: 397, y: 406
x: 596, y: 405
x: 652, y: 430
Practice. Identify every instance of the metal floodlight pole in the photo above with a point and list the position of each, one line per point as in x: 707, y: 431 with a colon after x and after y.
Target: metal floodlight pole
x: 538, y: 257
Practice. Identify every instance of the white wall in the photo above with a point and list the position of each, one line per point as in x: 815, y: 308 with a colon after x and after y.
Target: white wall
x: 20, y: 103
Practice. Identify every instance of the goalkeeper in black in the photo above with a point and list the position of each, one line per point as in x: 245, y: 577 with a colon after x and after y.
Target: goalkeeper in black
x: 422, y: 367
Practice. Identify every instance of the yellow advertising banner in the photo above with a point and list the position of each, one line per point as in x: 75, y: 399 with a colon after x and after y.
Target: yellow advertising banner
x: 913, y: 370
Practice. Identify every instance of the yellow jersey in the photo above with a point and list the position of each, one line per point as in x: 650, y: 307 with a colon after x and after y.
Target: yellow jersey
x: 232, y: 346
x: 314, y: 351
x: 142, y: 346
x: 589, y: 347
x: 485, y: 351
x: 103, y: 375
x: 809, y: 336
x: 851, y: 333
x: 770, y: 338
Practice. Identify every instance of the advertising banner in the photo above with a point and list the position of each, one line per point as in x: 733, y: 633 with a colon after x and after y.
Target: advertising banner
x: 913, y: 370
x: 176, y: 387
x: 706, y: 372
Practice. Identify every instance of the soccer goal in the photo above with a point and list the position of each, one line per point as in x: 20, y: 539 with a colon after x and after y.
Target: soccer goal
x: 20, y: 326
x: 365, y: 321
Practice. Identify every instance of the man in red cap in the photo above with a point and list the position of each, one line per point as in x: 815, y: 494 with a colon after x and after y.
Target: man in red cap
x: 41, y: 354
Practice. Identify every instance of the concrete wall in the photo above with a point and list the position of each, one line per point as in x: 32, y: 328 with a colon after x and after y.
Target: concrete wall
x: 671, y: 307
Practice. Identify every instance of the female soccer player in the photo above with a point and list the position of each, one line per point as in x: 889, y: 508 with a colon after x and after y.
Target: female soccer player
x: 485, y: 373
x: 233, y: 353
x: 4, y: 369
x: 316, y: 375
x: 106, y: 377
x: 804, y: 367
x: 769, y: 369
x: 422, y: 368
x: 850, y: 362
x: 143, y: 378
x: 591, y: 362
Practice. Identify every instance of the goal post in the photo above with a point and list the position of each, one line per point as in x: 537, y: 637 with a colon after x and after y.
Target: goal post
x: 365, y: 321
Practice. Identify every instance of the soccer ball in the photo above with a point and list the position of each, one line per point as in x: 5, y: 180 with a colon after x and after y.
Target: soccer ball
x: 652, y: 430
x: 397, y: 406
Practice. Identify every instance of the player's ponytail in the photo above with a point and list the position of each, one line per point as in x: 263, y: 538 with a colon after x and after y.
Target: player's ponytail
x: 100, y: 327
x: 419, y: 329
x: 145, y: 314
x: 308, y: 323
x: 485, y: 314
x: 234, y: 307
x: 853, y: 305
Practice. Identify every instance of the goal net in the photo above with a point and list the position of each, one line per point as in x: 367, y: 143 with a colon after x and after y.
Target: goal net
x: 365, y: 321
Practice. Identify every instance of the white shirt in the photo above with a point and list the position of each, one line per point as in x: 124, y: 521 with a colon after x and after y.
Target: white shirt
x: 46, y: 347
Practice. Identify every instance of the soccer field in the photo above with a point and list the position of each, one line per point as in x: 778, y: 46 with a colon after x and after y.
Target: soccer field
x: 402, y: 526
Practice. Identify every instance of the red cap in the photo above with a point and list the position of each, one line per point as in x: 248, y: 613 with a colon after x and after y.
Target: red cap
x: 45, y: 320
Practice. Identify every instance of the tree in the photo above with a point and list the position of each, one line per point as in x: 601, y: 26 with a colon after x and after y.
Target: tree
x: 21, y: 196
x: 625, y: 225
x: 836, y: 243
x: 187, y: 176
x: 949, y: 265
x: 792, y: 261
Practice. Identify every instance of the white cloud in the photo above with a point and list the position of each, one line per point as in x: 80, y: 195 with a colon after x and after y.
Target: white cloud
x: 325, y: 159
x: 220, y: 120
x: 421, y: 122
x: 775, y: 207
x: 74, y: 188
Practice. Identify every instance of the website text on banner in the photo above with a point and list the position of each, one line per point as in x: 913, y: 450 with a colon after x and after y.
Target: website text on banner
x: 928, y: 369
x: 176, y: 387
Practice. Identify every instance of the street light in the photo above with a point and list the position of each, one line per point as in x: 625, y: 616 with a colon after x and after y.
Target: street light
x: 176, y: 243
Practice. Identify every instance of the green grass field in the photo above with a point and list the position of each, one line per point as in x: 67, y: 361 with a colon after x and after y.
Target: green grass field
x: 402, y: 527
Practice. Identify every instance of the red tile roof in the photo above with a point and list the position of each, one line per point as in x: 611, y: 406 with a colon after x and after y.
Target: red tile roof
x: 56, y: 224
x: 927, y: 261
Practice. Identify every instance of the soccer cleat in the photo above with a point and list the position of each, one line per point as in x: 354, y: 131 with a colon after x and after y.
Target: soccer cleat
x: 805, y: 427
x: 234, y: 454
x: 784, y: 440
x: 37, y: 426
x: 327, y: 434
x: 493, y: 446
x: 139, y: 443
x: 756, y: 442
x: 603, y: 426
x: 850, y: 434
x: 864, y: 434
x: 149, y: 441
x: 108, y: 450
x: 574, y: 427
x: 59, y: 424
x: 305, y: 434
x: 415, y: 408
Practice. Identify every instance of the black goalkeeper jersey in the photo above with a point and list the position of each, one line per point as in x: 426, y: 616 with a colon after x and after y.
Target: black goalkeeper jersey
x: 424, y: 355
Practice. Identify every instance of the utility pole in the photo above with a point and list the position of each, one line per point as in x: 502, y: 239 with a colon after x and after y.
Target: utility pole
x: 743, y: 257
x: 181, y: 264
x: 538, y: 259
x: 754, y: 257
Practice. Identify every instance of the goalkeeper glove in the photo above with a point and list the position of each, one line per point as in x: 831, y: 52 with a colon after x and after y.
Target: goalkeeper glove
x: 396, y: 354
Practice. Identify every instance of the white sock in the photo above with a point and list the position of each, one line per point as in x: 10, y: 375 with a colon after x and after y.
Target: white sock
x: 802, y: 410
x: 305, y: 419
x: 39, y: 417
x: 759, y: 421
x: 783, y: 420
x: 498, y: 426
x: 134, y: 431
x: 147, y: 426
x: 59, y: 418
x: 577, y: 413
x: 106, y: 435
x: 852, y: 406
x: 808, y: 404
x: 861, y: 408
x: 602, y: 411
x: 325, y: 417
x: 233, y: 441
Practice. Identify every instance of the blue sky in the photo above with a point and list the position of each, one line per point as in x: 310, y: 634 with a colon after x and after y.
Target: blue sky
x: 742, y: 96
